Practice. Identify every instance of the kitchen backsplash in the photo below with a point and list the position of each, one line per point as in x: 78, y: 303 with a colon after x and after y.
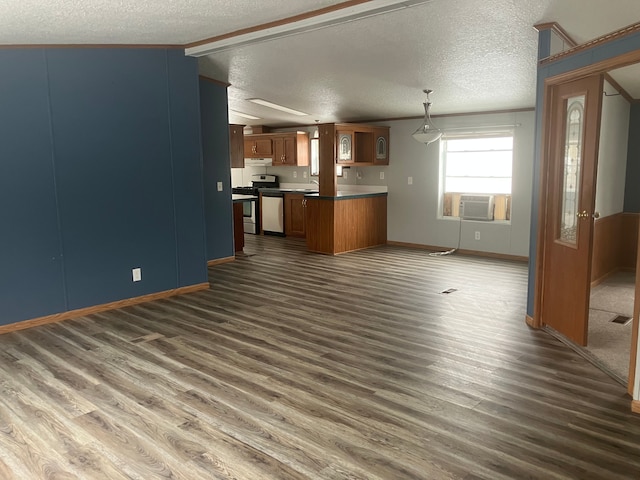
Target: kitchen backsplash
x: 351, y: 176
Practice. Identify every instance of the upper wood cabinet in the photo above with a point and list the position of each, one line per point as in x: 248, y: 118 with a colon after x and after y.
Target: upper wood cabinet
x: 286, y: 148
x: 258, y: 146
x: 236, y: 146
x: 362, y: 145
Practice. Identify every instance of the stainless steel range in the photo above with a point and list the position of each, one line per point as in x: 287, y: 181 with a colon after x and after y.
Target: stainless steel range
x: 251, y: 210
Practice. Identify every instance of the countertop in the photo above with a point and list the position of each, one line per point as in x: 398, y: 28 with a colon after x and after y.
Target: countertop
x: 352, y: 191
x: 347, y: 194
x: 243, y: 198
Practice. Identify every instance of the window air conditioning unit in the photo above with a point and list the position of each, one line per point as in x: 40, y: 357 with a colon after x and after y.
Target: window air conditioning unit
x: 476, y: 207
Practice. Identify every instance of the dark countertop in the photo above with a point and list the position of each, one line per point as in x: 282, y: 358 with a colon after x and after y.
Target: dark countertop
x: 346, y: 195
x: 313, y: 193
x: 288, y: 190
x: 237, y: 198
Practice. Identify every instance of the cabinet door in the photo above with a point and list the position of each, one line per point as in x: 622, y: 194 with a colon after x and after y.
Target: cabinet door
x: 236, y: 146
x: 345, y: 147
x: 263, y: 146
x: 294, y: 215
x: 278, y: 151
x: 289, y: 146
x: 381, y: 146
x: 248, y: 147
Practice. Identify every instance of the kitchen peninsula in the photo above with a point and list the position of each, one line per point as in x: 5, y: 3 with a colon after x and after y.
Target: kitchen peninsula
x: 343, y: 221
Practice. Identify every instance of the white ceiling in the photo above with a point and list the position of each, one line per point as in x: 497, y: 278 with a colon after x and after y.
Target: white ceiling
x: 477, y: 55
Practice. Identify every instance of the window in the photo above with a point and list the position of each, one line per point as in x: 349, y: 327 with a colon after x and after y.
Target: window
x: 315, y: 155
x: 314, y: 145
x: 478, y: 164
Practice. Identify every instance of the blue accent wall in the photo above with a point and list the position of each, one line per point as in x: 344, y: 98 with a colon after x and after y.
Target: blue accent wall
x: 581, y: 59
x: 632, y: 180
x: 100, y: 172
x: 31, y: 270
x: 216, y: 168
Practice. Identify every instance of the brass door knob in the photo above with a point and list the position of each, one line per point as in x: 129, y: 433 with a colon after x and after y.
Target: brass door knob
x: 596, y: 215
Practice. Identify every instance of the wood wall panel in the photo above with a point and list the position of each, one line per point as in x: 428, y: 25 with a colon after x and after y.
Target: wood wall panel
x: 320, y: 225
x: 605, y: 257
x: 339, y: 226
x: 629, y: 240
x: 615, y: 240
x: 360, y: 223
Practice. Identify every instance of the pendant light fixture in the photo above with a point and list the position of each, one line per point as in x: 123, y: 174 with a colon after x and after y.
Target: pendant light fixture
x: 428, y: 132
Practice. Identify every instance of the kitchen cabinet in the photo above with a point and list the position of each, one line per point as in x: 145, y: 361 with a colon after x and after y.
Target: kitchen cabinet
x: 236, y: 146
x: 295, y: 220
x: 285, y: 148
x: 284, y: 151
x: 362, y: 145
x: 258, y: 146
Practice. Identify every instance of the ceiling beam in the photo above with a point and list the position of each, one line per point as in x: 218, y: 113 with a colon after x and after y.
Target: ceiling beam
x: 338, y: 14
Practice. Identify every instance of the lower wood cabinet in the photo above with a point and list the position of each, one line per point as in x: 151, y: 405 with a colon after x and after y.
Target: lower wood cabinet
x: 295, y: 221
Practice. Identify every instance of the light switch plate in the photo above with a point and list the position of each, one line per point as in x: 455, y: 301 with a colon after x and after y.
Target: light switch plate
x: 295, y: 174
x: 410, y: 181
x: 136, y: 274
x: 381, y: 175
x: 219, y: 186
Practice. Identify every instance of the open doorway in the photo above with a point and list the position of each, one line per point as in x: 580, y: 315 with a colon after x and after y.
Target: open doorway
x: 615, y: 234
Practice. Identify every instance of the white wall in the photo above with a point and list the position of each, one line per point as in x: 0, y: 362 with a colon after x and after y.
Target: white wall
x: 413, y: 210
x: 612, y: 154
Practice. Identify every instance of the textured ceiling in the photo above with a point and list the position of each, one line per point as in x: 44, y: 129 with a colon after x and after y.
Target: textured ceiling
x: 137, y: 21
x: 475, y: 55
x: 478, y: 55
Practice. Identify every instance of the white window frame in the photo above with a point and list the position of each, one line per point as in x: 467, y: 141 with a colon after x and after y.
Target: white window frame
x: 501, y: 197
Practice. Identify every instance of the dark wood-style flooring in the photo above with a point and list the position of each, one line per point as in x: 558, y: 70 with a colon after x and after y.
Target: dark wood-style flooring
x: 302, y: 366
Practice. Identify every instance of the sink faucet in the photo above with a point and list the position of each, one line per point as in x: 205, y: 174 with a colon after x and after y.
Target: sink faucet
x: 314, y: 181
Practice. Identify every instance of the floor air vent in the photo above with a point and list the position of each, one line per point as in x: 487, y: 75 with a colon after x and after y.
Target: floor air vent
x: 449, y: 290
x: 621, y: 319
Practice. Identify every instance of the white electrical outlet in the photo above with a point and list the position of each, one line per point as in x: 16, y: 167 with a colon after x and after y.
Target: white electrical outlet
x: 381, y: 175
x: 410, y: 181
x: 219, y: 186
x: 295, y: 174
x: 136, y: 274
x: 477, y: 235
x: 345, y: 173
x: 304, y: 174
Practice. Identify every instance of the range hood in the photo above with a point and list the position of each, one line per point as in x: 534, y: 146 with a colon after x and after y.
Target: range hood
x: 258, y: 162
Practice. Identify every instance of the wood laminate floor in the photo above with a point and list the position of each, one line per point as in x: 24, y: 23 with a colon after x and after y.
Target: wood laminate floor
x: 302, y: 366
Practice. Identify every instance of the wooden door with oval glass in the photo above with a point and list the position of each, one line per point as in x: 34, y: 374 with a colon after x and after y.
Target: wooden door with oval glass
x: 572, y: 146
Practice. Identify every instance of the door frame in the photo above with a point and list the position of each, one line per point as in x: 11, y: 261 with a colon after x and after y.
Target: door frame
x: 601, y: 67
